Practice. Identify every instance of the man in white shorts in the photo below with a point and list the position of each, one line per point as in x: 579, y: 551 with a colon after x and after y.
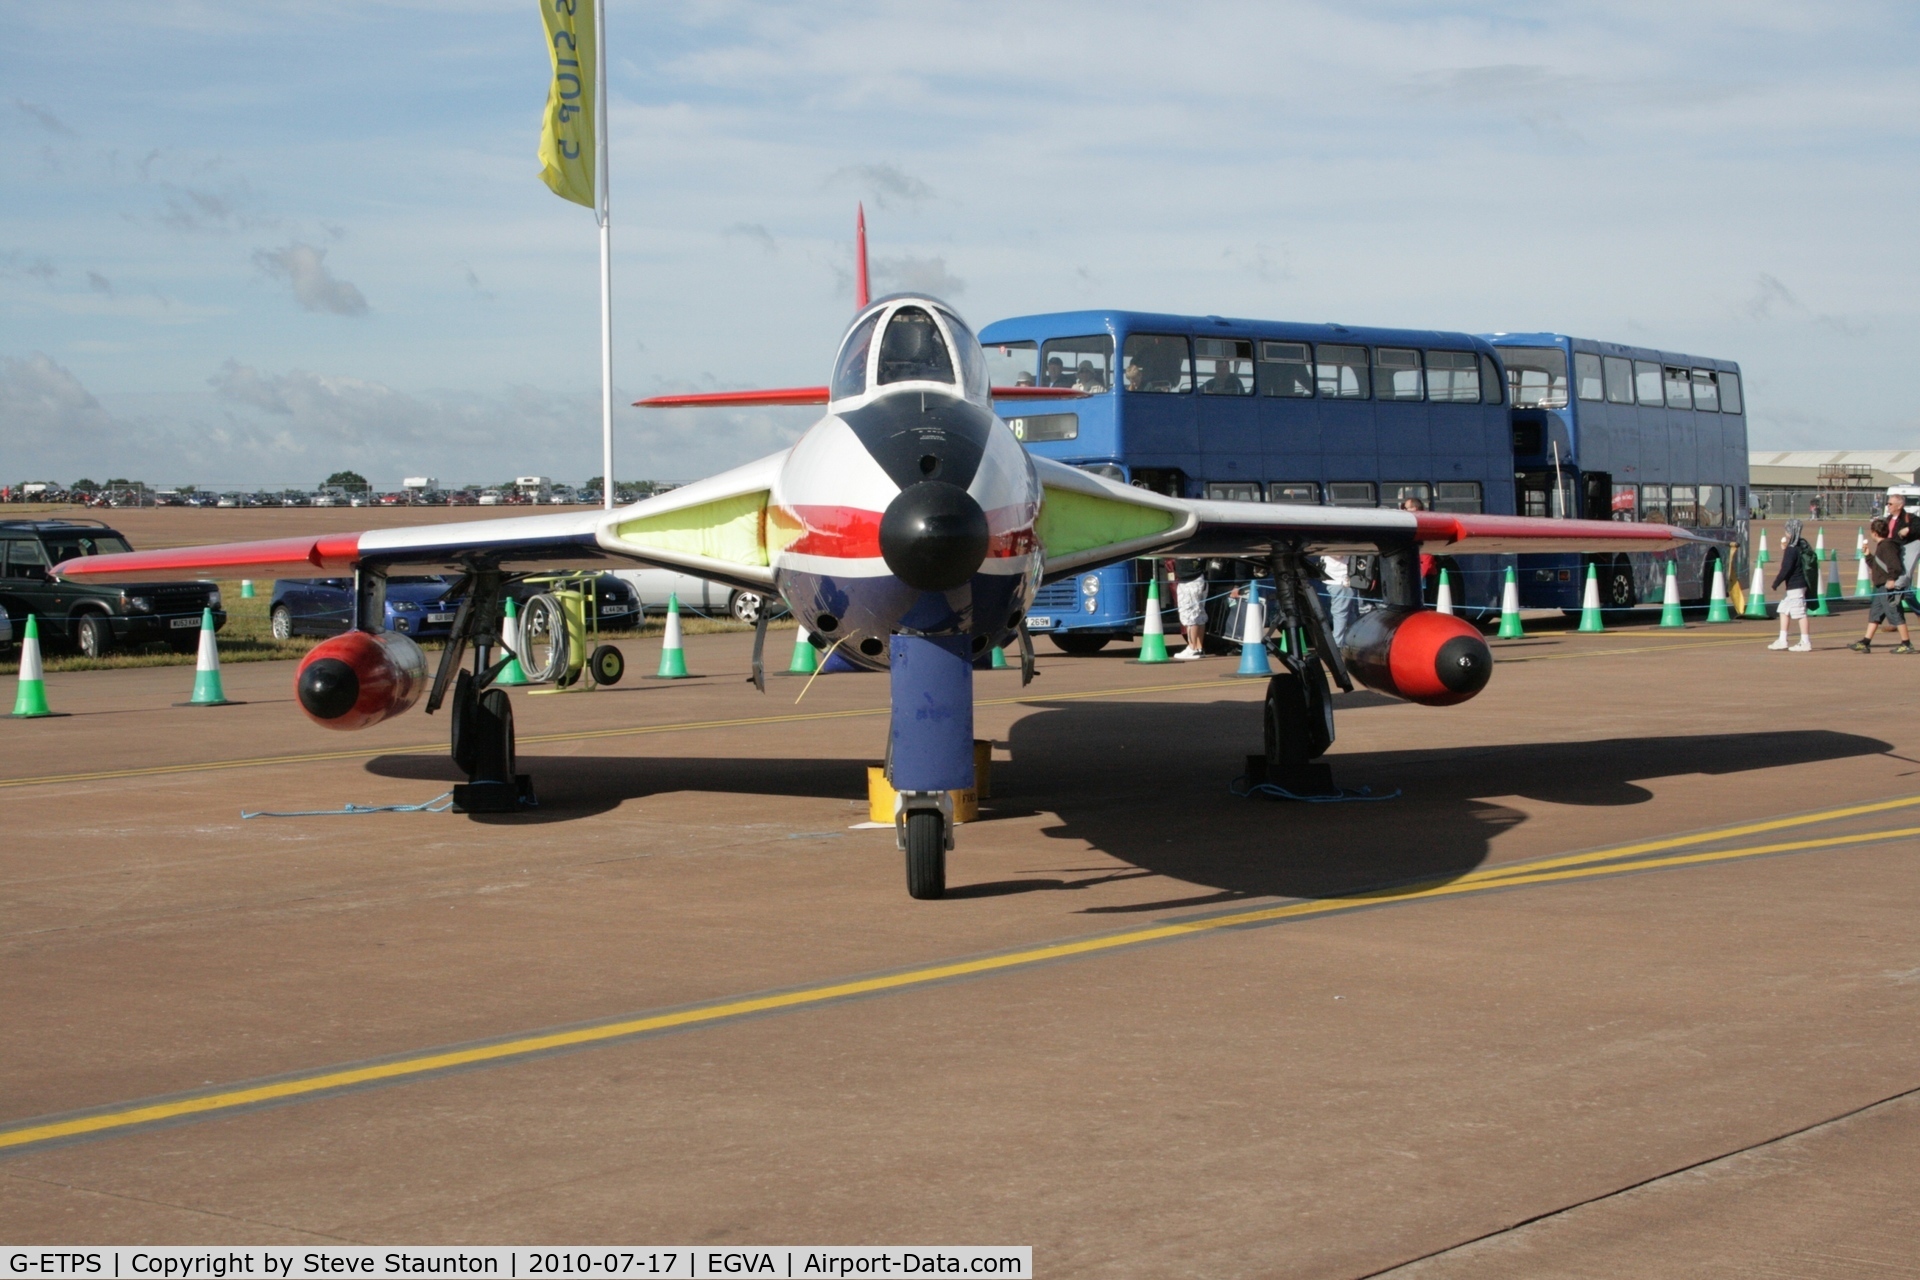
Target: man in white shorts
x: 1191, y: 593
x: 1795, y: 561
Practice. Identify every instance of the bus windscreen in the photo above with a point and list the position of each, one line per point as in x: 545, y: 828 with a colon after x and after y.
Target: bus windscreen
x: 1536, y: 377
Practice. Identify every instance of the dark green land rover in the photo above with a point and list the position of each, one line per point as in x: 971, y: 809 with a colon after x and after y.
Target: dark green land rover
x: 93, y: 618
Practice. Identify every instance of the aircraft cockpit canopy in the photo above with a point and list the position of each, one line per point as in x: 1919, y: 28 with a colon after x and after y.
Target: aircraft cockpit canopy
x: 919, y: 340
x: 912, y: 350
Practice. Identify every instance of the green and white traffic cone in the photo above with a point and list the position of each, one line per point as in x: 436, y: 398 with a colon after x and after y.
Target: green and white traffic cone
x: 207, y: 691
x: 1153, y: 636
x: 1590, y: 603
x: 513, y: 672
x: 1443, y: 595
x: 1717, y: 610
x: 1862, y: 580
x: 1833, y: 591
x: 805, y: 660
x: 998, y: 662
x: 246, y: 588
x: 1815, y: 595
x: 673, y: 653
x: 31, y: 701
x: 1670, y: 602
x: 1510, y: 628
x: 1757, y: 594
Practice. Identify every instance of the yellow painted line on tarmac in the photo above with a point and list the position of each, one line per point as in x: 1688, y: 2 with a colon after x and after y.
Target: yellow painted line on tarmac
x: 578, y: 735
x: 32, y: 1133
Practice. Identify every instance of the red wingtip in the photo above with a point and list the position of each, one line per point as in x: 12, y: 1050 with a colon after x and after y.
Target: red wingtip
x: 861, y: 294
x: 717, y: 399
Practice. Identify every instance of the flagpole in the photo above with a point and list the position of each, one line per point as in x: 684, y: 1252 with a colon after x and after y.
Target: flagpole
x: 605, y: 217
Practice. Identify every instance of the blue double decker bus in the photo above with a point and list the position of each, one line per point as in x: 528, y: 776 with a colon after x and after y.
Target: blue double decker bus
x: 1267, y: 411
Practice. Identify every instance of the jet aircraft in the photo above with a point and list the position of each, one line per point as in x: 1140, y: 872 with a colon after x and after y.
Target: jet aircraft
x: 907, y: 529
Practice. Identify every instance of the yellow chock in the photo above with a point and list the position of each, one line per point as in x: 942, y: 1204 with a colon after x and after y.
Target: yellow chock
x: 966, y: 804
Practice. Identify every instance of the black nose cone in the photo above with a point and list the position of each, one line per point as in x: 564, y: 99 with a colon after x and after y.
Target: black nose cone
x: 1464, y: 665
x: 933, y: 536
x: 329, y: 688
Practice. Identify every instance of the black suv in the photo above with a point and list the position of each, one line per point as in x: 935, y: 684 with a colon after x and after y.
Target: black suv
x: 93, y: 617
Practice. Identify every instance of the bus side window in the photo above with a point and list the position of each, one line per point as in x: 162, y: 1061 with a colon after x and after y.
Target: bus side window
x: 1626, y: 502
x: 1396, y: 374
x: 1619, y: 380
x: 1159, y: 363
x: 1706, y: 392
x: 1242, y: 491
x: 1586, y: 376
x: 1679, y: 389
x: 1653, y: 503
x: 1646, y: 381
x: 1301, y: 491
x: 1085, y: 364
x: 1729, y: 392
x: 1395, y: 492
x: 1349, y: 493
x: 1453, y: 377
x: 1680, y: 507
x: 1342, y: 373
x: 1011, y: 364
x: 1713, y: 513
x: 1286, y: 369
x: 1462, y: 497
x: 1492, y: 386
x: 1229, y: 366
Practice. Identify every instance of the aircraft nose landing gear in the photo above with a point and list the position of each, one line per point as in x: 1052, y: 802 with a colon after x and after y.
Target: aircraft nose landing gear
x: 930, y: 750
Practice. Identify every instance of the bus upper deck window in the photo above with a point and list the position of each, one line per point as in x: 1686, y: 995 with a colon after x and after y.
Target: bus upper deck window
x: 1396, y: 493
x: 1706, y: 391
x: 1158, y: 363
x: 850, y: 375
x: 1228, y: 364
x: 1729, y: 392
x: 1286, y: 369
x: 1646, y: 383
x: 1453, y: 377
x: 1085, y: 364
x: 1302, y: 491
x: 1586, y: 376
x: 1626, y: 502
x: 1396, y: 374
x: 1012, y: 364
x: 1536, y: 376
x: 1679, y: 388
x: 1712, y: 509
x: 1653, y: 503
x: 1341, y: 373
x: 1619, y: 380
x: 912, y: 350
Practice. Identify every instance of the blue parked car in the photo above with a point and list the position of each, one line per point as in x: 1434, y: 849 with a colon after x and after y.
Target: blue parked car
x: 417, y: 606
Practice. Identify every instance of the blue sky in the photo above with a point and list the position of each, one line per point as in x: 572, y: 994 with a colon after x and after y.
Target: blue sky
x: 250, y: 243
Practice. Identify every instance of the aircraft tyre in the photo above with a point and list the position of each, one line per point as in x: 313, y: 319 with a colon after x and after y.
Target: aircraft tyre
x: 926, y: 854
x: 1078, y: 644
x: 1299, y: 714
x: 460, y: 722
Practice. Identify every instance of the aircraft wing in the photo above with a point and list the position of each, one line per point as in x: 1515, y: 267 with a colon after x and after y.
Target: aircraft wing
x: 714, y: 528
x: 1087, y: 521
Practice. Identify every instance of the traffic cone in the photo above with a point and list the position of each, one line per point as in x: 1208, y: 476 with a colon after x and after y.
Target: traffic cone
x: 1757, y: 596
x: 1815, y: 595
x: 805, y: 660
x: 1833, y: 591
x: 1590, y: 604
x: 1153, y: 636
x: 1443, y: 597
x: 998, y: 662
x: 513, y: 672
x: 1862, y: 580
x: 1510, y: 628
x: 1717, y: 610
x: 1670, y: 603
x: 1253, y: 637
x: 206, y: 669
x: 673, y: 654
x: 246, y: 588
x: 31, y: 701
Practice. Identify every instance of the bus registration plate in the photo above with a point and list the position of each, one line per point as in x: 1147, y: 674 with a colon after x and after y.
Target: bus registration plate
x: 1039, y: 622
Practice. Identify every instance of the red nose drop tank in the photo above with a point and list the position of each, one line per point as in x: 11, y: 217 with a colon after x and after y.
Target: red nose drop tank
x: 360, y: 678
x: 1431, y: 658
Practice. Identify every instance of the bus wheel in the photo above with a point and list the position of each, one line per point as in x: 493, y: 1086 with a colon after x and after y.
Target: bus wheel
x: 1616, y: 586
x: 1078, y: 644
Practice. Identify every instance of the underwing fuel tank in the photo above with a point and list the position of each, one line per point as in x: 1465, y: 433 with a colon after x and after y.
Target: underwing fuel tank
x: 360, y: 678
x: 1435, y: 659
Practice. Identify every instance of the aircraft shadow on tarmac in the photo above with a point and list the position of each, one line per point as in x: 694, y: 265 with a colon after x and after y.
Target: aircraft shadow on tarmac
x: 1148, y: 784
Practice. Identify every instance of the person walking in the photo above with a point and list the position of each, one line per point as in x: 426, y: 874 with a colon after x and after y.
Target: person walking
x: 1191, y: 593
x: 1343, y: 606
x: 1795, y: 556
x: 1903, y: 527
x: 1888, y: 606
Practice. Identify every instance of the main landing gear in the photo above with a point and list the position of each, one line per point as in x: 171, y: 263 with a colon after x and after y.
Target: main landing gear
x: 1297, y: 718
x: 481, y: 716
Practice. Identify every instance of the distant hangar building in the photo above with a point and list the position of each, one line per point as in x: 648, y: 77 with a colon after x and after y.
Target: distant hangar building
x: 1844, y: 481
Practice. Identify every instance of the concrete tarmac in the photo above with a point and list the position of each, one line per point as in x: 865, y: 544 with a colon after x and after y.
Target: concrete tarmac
x: 1625, y: 980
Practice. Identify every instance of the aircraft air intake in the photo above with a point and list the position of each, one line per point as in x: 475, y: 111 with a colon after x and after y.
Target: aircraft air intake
x: 934, y: 536
x: 360, y: 678
x: 1431, y: 658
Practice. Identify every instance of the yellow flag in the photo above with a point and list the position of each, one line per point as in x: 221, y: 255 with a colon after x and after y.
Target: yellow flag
x: 566, y: 136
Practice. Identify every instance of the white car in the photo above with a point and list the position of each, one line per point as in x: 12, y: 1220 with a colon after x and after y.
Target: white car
x: 697, y: 595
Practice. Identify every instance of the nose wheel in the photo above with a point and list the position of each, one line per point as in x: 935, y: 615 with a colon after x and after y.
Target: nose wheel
x: 926, y: 840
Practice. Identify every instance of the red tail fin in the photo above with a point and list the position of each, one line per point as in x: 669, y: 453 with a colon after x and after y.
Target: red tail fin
x: 861, y: 294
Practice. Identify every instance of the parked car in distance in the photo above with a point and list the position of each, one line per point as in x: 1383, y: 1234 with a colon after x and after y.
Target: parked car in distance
x: 697, y: 595
x: 417, y: 606
x: 97, y: 617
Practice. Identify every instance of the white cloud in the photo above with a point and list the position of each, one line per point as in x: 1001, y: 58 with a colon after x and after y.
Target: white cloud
x: 908, y: 274
x: 305, y: 268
